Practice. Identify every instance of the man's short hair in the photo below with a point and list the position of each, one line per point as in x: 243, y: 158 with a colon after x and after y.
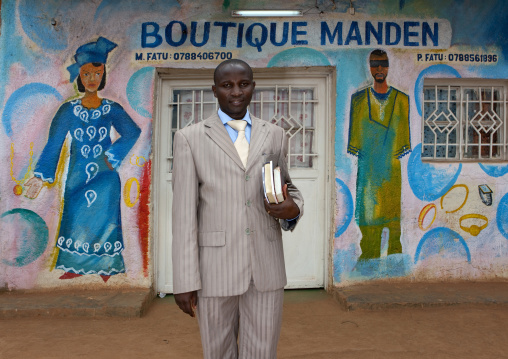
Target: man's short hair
x: 231, y: 62
x: 378, y: 52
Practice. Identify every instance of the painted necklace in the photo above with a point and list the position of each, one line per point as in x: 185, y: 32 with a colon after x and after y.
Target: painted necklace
x: 18, y: 189
x: 381, y: 111
x: 380, y: 106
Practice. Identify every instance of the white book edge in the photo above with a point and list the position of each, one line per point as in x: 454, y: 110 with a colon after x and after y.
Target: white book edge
x: 273, y: 182
x: 264, y: 185
x: 278, y: 185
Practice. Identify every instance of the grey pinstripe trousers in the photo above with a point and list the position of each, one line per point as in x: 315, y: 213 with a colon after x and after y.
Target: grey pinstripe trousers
x: 245, y: 326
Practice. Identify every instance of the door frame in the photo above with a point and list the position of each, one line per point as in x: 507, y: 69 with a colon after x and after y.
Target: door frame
x: 328, y: 73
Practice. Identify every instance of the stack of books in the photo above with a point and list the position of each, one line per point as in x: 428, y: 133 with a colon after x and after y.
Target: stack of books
x: 272, y: 183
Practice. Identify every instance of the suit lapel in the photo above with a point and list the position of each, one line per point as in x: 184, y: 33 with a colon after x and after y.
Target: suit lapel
x: 214, y: 128
x: 258, y: 136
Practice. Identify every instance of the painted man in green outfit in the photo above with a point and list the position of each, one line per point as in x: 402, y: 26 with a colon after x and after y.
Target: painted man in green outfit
x: 379, y: 136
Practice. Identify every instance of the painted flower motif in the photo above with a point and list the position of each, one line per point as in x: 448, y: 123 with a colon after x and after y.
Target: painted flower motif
x: 91, y: 131
x: 77, y: 244
x: 103, y: 132
x: 97, y: 150
x: 77, y: 109
x: 107, y: 246
x: 78, y: 134
x: 83, y: 115
x: 68, y: 242
x: 118, y: 246
x: 106, y: 109
x: 96, y: 247
x: 96, y: 114
x: 85, y: 150
x: 86, y: 246
x: 61, y: 241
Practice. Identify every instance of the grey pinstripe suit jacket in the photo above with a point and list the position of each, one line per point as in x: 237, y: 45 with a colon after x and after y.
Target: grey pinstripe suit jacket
x: 222, y: 235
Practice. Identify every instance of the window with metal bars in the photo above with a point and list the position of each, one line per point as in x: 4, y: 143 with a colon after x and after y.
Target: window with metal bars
x: 290, y: 107
x: 464, y: 120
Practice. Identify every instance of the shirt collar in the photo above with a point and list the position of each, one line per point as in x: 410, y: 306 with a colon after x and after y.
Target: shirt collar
x: 225, y: 118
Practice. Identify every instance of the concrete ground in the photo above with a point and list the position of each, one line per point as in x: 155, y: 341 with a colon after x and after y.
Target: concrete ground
x: 383, y: 320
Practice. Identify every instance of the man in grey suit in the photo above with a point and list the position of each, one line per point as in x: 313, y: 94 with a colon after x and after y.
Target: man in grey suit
x: 228, y: 260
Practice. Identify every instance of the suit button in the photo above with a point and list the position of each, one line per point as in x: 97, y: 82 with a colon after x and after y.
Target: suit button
x: 247, y: 177
x: 247, y: 231
x: 248, y: 203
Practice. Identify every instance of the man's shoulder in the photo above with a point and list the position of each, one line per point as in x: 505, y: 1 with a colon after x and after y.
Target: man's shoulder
x: 360, y: 93
x: 400, y: 94
x: 199, y: 126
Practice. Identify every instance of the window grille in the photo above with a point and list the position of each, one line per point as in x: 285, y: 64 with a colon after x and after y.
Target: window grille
x: 290, y: 107
x: 464, y: 121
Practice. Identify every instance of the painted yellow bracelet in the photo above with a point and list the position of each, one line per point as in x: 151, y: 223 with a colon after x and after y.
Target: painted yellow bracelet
x: 127, y: 192
x: 423, y: 214
x: 465, y: 199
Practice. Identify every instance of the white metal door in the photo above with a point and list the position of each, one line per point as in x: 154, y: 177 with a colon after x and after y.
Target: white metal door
x: 290, y: 99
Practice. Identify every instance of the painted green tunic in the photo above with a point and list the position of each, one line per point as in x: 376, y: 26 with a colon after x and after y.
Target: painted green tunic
x: 379, y: 136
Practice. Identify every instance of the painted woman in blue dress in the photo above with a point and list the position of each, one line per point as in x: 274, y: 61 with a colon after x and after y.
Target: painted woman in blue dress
x: 90, y: 237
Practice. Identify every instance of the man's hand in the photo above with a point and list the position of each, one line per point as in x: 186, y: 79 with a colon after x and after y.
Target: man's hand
x: 187, y: 302
x: 285, y: 210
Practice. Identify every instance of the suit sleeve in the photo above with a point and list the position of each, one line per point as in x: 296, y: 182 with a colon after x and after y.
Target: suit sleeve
x: 186, y: 276
x: 292, y: 190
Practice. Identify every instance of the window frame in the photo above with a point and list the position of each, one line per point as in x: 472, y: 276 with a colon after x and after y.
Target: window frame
x: 462, y: 84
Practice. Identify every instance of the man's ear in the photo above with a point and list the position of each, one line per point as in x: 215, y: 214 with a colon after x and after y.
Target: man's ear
x: 214, y: 89
x: 253, y: 85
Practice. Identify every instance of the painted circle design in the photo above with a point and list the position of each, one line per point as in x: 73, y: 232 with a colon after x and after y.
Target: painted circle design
x: 347, y: 209
x: 431, y: 71
x: 502, y: 216
x: 494, y: 170
x: 34, y: 236
x: 31, y: 96
x: 439, y: 240
x: 301, y: 56
x: 429, y: 182
x: 141, y: 101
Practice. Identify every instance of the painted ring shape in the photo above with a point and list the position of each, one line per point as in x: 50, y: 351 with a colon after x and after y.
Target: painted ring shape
x: 465, y: 199
x: 423, y: 214
x: 474, y: 229
x: 127, y: 192
x: 137, y: 161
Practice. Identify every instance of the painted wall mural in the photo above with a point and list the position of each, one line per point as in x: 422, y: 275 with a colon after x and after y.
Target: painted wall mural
x: 75, y: 198
x: 90, y: 237
x: 379, y: 137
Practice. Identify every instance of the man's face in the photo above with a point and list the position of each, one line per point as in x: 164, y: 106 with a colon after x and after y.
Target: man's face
x: 233, y: 89
x: 379, y: 67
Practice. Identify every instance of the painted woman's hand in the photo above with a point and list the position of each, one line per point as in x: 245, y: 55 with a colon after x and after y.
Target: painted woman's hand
x: 110, y: 166
x: 34, y: 185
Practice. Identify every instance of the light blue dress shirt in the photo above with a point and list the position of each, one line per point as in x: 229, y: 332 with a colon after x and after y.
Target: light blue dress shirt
x: 233, y: 134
